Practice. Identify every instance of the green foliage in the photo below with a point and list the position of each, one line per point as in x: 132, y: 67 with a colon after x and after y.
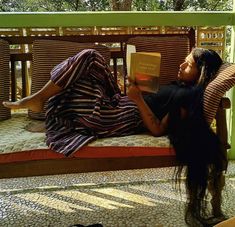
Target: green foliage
x: 146, y: 5
x: 14, y: 5
x: 53, y: 5
x: 196, y: 5
x: 100, y: 5
x: 97, y: 5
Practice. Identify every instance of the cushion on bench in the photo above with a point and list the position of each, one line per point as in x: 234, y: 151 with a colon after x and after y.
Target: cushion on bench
x: 4, y: 78
x: 17, y: 144
x: 216, y: 89
x: 23, y: 153
x: 49, y: 53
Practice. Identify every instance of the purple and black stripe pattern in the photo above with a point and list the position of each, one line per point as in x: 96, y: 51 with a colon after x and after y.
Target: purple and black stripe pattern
x: 90, y: 105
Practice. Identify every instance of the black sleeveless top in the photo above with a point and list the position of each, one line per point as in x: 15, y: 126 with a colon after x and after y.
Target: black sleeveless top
x: 170, y: 97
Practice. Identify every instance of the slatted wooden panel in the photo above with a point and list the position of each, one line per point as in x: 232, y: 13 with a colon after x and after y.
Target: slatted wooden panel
x: 78, y: 31
x: 117, y: 30
x: 4, y: 79
x: 146, y: 30
x: 175, y: 30
x: 47, y: 54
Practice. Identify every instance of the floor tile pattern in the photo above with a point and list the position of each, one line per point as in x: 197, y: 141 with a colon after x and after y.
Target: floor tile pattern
x: 138, y: 198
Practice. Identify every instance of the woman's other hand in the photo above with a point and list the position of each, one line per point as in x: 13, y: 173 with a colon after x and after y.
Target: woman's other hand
x: 134, y: 92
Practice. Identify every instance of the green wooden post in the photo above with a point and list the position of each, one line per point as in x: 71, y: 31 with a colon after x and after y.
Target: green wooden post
x: 231, y: 153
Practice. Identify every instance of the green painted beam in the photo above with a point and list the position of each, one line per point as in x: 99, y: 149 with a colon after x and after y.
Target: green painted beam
x: 112, y: 18
x: 231, y: 153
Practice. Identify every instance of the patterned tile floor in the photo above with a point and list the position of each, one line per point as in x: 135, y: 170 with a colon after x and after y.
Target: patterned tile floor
x: 122, y: 198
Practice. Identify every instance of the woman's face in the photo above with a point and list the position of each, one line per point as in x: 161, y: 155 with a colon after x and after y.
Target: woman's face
x: 188, y: 71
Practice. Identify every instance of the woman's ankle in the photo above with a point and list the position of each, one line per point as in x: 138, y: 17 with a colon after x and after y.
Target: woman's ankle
x: 34, y: 103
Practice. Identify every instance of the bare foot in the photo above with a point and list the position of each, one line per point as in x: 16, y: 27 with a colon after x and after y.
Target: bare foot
x: 30, y: 102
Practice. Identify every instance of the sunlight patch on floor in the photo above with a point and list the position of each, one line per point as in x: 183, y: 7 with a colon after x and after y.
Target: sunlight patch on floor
x: 54, y: 203
x: 127, y: 196
x: 169, y: 194
x: 94, y: 200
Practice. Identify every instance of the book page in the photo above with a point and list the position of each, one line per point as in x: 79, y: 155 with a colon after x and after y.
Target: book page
x: 129, y: 50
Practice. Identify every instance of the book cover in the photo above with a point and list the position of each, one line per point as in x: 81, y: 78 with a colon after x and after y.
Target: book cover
x: 144, y: 69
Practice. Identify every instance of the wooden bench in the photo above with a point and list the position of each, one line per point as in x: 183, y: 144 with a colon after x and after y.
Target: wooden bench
x: 43, y: 161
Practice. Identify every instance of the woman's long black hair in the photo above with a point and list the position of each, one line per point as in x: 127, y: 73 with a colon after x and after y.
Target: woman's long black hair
x: 208, y: 63
x: 197, y: 147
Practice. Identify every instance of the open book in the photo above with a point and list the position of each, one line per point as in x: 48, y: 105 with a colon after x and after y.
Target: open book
x: 144, y: 69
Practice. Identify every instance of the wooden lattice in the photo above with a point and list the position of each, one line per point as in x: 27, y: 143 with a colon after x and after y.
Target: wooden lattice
x: 78, y: 31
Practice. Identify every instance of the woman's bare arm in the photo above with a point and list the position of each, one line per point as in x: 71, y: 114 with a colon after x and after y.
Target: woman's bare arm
x: 152, y: 123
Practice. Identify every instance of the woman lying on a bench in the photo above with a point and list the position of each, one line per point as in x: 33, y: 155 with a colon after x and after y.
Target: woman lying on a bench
x: 85, y: 103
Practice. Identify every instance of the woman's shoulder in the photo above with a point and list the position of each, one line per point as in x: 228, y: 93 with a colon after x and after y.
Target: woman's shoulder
x: 186, y: 88
x: 177, y: 89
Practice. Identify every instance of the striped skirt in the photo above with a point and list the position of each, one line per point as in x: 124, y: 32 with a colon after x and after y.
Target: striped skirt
x: 90, y: 105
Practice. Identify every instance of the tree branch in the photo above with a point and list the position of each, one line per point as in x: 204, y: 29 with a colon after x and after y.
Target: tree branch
x: 215, y: 5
